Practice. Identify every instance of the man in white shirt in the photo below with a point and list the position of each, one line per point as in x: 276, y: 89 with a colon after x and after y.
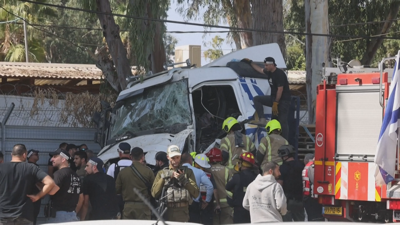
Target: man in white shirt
x: 124, y: 151
x: 265, y: 198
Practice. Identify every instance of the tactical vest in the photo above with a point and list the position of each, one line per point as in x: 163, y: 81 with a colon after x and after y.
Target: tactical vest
x: 176, y: 192
x: 270, y: 146
x: 203, y: 189
x: 307, y: 186
x: 228, y: 145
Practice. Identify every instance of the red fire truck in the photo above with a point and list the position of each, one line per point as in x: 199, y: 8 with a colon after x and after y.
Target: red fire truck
x: 349, y: 116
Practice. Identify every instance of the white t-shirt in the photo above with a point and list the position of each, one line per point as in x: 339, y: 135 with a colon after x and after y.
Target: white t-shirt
x: 121, y: 163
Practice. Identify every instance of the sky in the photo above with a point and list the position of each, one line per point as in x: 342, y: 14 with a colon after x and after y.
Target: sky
x: 197, y: 38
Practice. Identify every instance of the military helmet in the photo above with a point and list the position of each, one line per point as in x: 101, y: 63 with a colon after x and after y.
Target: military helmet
x: 286, y: 150
x: 273, y: 125
x: 228, y: 124
x: 202, y: 160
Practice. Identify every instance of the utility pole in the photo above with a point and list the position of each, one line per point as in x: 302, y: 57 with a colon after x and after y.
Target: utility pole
x: 26, y: 43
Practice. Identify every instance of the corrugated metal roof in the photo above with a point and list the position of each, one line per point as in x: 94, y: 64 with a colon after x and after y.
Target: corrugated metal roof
x: 296, y: 77
x: 51, y: 70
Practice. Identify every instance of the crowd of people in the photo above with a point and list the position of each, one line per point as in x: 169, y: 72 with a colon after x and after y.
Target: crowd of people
x: 234, y: 183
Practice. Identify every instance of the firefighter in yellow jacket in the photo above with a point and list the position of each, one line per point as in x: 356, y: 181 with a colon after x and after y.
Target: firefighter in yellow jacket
x: 223, y: 212
x: 269, y: 145
x: 180, y: 186
x: 235, y: 143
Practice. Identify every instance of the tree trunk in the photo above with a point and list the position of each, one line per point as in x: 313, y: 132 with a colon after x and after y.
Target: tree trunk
x: 317, y: 49
x: 244, y: 20
x: 268, y: 15
x: 114, y: 43
x: 374, y: 45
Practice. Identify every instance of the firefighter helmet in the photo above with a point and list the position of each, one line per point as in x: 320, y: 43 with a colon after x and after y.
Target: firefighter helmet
x: 193, y: 154
x: 202, y: 160
x: 215, y: 155
x: 228, y: 124
x: 273, y: 125
x: 286, y: 150
x: 248, y: 157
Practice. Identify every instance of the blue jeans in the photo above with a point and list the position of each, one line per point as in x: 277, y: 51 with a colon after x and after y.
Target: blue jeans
x: 62, y: 217
x: 283, y: 109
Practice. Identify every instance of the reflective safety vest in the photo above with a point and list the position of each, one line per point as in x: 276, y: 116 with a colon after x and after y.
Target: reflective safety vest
x: 307, y: 186
x: 228, y: 145
x: 203, y: 189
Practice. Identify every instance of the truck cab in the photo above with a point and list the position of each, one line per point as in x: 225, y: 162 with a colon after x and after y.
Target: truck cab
x: 187, y: 106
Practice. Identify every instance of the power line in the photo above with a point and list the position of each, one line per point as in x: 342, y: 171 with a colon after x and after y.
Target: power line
x: 10, y: 21
x: 203, y: 25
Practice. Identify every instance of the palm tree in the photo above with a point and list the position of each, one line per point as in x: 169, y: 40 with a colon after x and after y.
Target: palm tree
x: 12, y: 47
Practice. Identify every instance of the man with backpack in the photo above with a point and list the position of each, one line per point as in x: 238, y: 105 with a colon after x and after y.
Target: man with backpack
x: 292, y: 183
x: 124, y: 151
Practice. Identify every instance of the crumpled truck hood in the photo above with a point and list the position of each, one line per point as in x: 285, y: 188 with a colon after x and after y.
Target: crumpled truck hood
x: 151, y: 143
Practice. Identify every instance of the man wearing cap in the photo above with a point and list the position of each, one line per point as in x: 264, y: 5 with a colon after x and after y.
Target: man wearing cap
x: 66, y: 202
x: 124, y: 151
x: 179, y: 184
x: 138, y: 176
x: 15, y: 195
x: 280, y: 97
x: 99, y: 190
x: 33, y: 157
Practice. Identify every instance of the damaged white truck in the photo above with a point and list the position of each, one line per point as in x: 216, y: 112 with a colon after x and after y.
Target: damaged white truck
x: 187, y: 106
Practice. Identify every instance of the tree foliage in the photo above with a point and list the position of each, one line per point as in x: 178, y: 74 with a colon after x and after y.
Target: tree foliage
x: 216, y: 51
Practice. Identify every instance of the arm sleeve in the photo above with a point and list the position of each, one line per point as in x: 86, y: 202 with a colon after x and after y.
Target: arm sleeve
x: 280, y: 199
x: 57, y: 178
x: 224, y: 145
x: 38, y: 173
x: 110, y: 171
x: 191, y: 186
x: 209, y: 186
x: 158, y: 184
x: 231, y: 184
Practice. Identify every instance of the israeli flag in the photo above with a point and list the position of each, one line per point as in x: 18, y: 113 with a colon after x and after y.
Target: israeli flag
x: 385, y: 157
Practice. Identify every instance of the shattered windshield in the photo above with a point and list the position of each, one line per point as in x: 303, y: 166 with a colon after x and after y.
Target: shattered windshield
x: 162, y: 108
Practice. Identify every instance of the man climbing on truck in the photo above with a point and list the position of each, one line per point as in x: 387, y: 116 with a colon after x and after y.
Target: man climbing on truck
x: 280, y: 97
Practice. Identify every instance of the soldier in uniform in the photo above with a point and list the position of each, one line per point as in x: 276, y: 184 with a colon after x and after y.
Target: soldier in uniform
x: 238, y: 185
x: 269, y: 145
x: 235, y: 143
x: 180, y: 186
x: 138, y: 176
x: 223, y: 212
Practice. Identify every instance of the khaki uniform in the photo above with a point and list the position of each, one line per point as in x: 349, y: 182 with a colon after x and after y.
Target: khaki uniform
x: 127, y: 179
x: 228, y: 144
x: 269, y: 146
x: 221, y: 176
x: 178, y: 196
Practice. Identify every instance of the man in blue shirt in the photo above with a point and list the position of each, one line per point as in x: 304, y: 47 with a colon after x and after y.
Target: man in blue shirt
x: 201, y: 179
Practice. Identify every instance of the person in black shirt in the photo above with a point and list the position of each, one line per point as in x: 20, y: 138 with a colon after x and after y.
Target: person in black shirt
x: 16, y: 181
x: 280, y: 97
x: 99, y: 189
x: 238, y: 184
x: 66, y: 202
x: 292, y: 183
x: 33, y: 157
x: 71, y: 148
